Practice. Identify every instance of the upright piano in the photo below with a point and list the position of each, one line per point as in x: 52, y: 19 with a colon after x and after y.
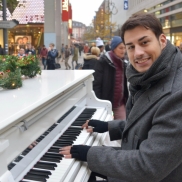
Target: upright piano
x: 48, y: 110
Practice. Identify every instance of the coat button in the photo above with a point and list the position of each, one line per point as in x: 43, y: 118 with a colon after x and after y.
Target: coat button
x: 125, y: 140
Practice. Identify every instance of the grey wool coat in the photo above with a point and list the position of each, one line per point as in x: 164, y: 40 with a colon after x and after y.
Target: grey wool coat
x: 151, y: 137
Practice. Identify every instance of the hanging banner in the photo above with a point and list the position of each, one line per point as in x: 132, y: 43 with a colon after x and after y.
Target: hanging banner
x: 70, y: 19
x: 65, y: 10
x: 125, y: 4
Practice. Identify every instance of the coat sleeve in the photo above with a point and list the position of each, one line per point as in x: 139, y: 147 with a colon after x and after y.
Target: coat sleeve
x: 98, y: 79
x: 116, y: 128
x: 156, y: 157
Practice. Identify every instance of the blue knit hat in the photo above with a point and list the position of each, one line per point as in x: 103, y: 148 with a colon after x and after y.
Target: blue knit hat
x: 116, y: 40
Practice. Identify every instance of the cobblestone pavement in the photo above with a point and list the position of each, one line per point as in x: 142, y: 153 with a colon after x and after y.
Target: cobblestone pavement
x: 80, y: 60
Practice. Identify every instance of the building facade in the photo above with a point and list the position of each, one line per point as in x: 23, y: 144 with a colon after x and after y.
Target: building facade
x: 169, y: 12
x: 78, y: 31
x: 40, y: 22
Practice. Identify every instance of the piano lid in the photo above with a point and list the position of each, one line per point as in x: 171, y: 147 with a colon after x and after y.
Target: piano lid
x: 35, y: 91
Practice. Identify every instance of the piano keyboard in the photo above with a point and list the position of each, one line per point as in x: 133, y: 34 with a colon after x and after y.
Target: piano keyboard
x: 52, y: 166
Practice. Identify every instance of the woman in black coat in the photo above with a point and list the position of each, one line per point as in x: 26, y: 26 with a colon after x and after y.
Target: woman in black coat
x: 109, y: 78
x: 90, y: 59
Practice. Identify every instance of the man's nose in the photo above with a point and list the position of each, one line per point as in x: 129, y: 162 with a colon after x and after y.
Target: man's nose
x: 138, y: 51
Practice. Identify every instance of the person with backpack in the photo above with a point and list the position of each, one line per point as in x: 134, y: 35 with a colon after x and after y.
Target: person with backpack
x: 51, y: 56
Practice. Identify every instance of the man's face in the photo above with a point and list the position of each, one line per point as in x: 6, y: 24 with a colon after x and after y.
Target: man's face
x: 143, y: 48
x: 22, y: 51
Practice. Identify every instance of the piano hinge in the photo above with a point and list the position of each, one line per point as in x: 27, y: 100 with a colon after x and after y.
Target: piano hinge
x: 23, y: 127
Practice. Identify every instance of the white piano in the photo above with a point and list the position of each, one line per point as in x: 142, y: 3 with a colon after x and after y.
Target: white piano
x: 48, y: 109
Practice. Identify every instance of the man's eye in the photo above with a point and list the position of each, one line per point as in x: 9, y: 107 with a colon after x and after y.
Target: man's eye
x: 145, y: 42
x: 130, y: 47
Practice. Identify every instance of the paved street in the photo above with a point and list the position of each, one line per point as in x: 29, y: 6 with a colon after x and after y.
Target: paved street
x: 80, y: 60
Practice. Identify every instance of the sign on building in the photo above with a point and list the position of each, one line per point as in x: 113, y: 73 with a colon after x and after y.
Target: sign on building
x: 65, y: 10
x: 125, y: 4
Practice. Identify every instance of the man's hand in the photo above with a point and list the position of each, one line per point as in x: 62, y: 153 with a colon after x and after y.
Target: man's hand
x: 76, y: 151
x: 99, y: 126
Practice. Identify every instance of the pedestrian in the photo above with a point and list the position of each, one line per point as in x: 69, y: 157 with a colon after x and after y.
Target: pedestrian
x: 91, y: 59
x: 30, y: 50
x: 21, y: 53
x: 80, y: 47
x: 86, y: 48
x: 67, y: 55
x: 100, y: 45
x: 110, y: 80
x: 108, y: 46
x: 1, y: 50
x: 43, y: 55
x: 51, y: 56
x: 75, y: 55
x: 151, y: 135
x: 62, y: 53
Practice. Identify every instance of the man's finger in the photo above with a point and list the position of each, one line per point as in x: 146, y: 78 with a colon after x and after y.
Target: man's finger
x: 65, y: 152
x: 68, y: 156
x: 85, y: 125
x: 90, y: 130
x: 65, y: 148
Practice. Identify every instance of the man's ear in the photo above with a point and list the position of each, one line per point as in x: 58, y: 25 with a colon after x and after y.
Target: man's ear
x: 163, y: 41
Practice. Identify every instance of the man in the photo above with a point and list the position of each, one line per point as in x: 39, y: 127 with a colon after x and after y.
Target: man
x: 30, y: 50
x: 86, y: 48
x: 67, y: 55
x: 100, y: 45
x: 108, y: 46
x: 21, y: 53
x: 51, y: 56
x: 151, y: 135
x: 43, y: 55
x: 62, y: 53
x: 75, y: 55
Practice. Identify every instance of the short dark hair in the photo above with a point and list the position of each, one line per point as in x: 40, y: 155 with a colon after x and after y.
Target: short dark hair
x: 146, y: 20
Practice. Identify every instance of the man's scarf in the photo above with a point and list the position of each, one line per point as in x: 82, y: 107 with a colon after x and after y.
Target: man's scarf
x: 159, y: 69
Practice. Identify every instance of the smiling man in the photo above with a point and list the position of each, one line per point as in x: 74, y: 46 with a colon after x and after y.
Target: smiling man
x: 151, y: 136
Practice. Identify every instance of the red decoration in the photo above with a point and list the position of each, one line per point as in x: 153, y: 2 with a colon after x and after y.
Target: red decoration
x: 65, y: 10
x: 70, y: 19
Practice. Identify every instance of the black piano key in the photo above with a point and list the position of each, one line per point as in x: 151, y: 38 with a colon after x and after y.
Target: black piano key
x: 11, y: 165
x: 82, y: 119
x: 45, y: 133
x: 68, y: 137
x: 60, y: 145
x: 60, y: 156
x: 50, y: 159
x: 26, y: 151
x: 39, y: 172
x: 85, y: 115
x: 74, y: 129
x: 19, y: 158
x: 53, y: 150
x: 35, y: 177
x: 43, y: 165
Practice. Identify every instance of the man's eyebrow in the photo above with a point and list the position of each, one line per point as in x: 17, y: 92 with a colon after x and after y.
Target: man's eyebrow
x: 130, y: 43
